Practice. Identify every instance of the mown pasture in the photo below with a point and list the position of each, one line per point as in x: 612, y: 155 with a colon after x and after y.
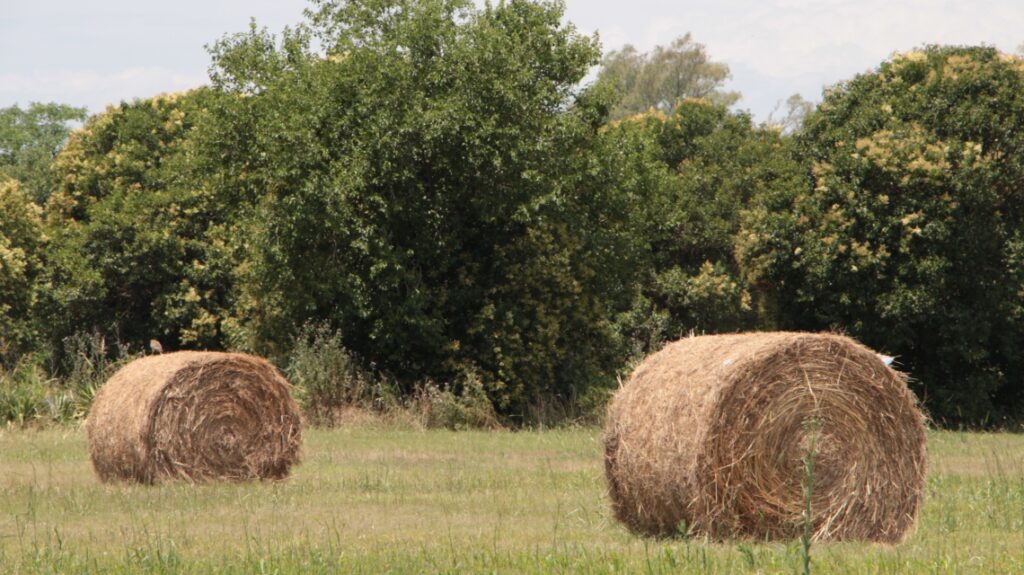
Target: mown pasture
x: 373, y: 499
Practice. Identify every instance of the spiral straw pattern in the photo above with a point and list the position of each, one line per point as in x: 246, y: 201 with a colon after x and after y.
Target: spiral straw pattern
x: 196, y: 416
x: 710, y: 435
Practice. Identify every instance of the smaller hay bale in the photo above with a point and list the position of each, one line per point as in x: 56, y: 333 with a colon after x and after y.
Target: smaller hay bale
x: 710, y: 433
x: 197, y: 416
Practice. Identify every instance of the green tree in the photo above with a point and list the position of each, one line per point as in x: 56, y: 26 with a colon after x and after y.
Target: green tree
x: 424, y: 187
x: 136, y: 251
x: 908, y: 234
x: 694, y: 172
x: 660, y: 79
x: 21, y: 240
x: 29, y: 140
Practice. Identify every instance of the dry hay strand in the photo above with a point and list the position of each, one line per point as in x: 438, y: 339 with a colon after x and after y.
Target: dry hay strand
x: 709, y: 437
x: 196, y: 416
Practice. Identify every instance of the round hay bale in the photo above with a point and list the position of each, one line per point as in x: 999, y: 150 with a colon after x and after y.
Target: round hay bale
x: 197, y: 416
x: 710, y: 434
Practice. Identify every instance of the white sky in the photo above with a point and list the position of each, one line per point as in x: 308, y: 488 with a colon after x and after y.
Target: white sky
x: 94, y: 52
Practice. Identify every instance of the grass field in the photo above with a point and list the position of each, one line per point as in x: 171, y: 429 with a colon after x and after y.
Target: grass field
x: 387, y: 500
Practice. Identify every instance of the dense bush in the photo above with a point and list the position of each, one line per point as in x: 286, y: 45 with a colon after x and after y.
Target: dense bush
x: 21, y: 243
x: 421, y: 188
x: 331, y: 384
x: 909, y: 235
x: 689, y: 176
x: 461, y: 405
x: 328, y: 379
x: 134, y: 251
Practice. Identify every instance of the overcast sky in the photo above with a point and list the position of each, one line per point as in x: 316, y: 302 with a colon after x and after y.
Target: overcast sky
x: 94, y: 52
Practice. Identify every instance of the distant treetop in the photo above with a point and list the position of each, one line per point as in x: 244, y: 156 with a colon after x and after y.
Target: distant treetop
x: 659, y: 79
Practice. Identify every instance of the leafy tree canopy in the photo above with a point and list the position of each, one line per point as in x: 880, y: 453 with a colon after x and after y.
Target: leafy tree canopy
x: 134, y: 250
x: 21, y: 240
x: 423, y: 185
x: 693, y: 173
x: 909, y: 235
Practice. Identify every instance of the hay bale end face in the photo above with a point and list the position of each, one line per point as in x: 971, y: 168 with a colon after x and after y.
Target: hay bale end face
x: 197, y: 416
x: 710, y: 434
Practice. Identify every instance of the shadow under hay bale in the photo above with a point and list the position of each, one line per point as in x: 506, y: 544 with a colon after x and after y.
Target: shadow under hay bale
x: 197, y: 416
x: 709, y: 436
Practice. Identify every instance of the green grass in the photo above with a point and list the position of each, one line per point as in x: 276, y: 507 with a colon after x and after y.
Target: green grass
x: 385, y: 500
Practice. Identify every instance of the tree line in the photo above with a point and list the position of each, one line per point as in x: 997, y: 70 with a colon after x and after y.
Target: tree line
x: 432, y: 182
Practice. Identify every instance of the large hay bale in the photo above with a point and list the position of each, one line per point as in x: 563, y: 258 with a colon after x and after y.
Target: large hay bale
x: 197, y: 416
x: 710, y: 434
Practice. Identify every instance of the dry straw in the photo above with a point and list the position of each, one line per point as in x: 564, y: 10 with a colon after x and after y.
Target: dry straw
x: 197, y: 416
x: 710, y: 433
